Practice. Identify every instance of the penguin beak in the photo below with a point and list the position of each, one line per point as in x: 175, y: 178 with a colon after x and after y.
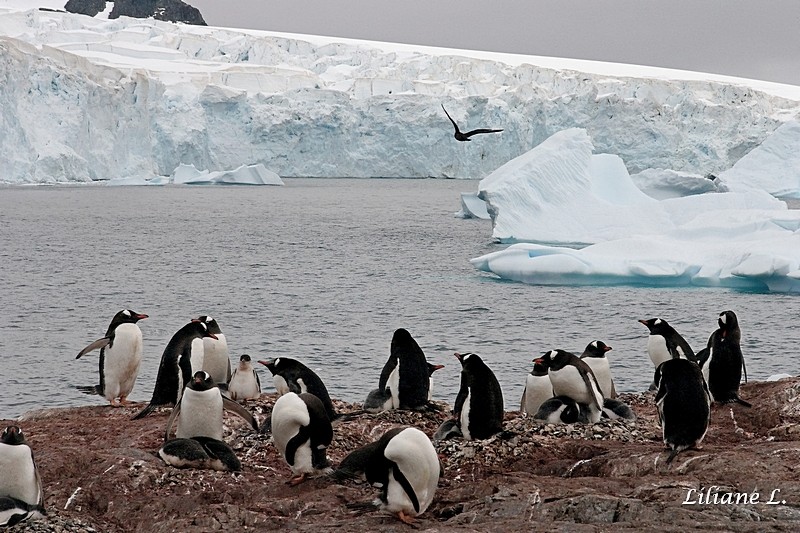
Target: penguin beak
x: 438, y: 367
x: 458, y: 356
x: 644, y: 322
x: 141, y: 317
x: 538, y: 361
x: 607, y: 349
x: 213, y: 336
x: 266, y: 362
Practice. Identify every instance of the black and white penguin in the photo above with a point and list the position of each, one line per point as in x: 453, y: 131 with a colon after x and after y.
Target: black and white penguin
x: 479, y: 403
x: 403, y: 463
x: 572, y: 377
x: 120, y: 357
x: 406, y: 373
x: 184, y: 349
x: 595, y: 356
x: 198, y: 439
x: 378, y: 401
x: 538, y: 388
x: 665, y: 343
x: 244, y: 383
x: 562, y: 410
x: 431, y: 369
x: 290, y: 375
x: 614, y: 409
x: 722, y: 369
x: 684, y: 404
x: 216, y: 359
x: 21, y: 496
x: 302, y: 432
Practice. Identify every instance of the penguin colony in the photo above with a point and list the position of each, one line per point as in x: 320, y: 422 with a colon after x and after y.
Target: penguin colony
x: 196, y: 379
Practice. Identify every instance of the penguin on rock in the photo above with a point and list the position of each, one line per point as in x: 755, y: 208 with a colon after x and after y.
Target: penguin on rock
x: 183, y: 353
x: 21, y: 496
x: 216, y: 359
x: 406, y: 374
x: 683, y: 403
x: 664, y: 343
x: 538, y: 388
x: 120, y: 357
x: 302, y: 433
x: 595, y: 356
x: 244, y: 383
x: 404, y: 464
x: 290, y: 375
x: 479, y: 403
x: 572, y: 377
x: 562, y: 410
x: 722, y: 369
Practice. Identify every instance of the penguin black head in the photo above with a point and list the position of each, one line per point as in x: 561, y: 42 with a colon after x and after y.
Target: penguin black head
x: 541, y: 366
x: 245, y: 358
x: 212, y: 325
x: 202, y: 328
x: 129, y: 316
x: 727, y: 322
x: 657, y: 326
x: 272, y: 364
x: 13, y: 436
x: 596, y: 349
x: 201, y: 381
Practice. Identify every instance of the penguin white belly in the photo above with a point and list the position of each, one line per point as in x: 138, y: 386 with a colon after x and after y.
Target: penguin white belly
x: 196, y: 357
x: 568, y: 381
x: 538, y: 389
x: 201, y: 414
x: 19, y: 473
x: 430, y: 389
x: 602, y: 371
x: 121, y: 362
x: 707, y: 365
x: 280, y: 384
x: 289, y: 414
x: 394, y: 386
x: 657, y: 349
x: 464, y: 420
x: 411, y: 450
x: 243, y: 385
x: 216, y: 359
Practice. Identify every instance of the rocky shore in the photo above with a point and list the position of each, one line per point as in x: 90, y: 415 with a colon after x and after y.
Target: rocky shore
x: 100, y: 473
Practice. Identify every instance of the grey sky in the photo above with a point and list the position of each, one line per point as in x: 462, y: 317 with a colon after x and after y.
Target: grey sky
x: 749, y: 38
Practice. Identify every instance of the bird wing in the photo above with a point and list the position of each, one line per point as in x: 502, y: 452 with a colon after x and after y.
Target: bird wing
x: 258, y: 381
x: 99, y: 343
x: 480, y: 130
x: 451, y: 119
x: 234, y: 407
x: 171, y: 420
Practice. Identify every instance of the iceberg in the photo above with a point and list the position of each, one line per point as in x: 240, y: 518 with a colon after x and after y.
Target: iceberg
x: 189, y: 175
x: 576, y: 218
x: 472, y: 207
x: 660, y: 183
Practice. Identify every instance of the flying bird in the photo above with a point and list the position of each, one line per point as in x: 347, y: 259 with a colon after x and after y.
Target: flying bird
x: 466, y: 136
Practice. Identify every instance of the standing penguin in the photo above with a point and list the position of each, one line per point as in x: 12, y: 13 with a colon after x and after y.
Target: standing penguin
x: 479, y: 403
x: 431, y: 369
x: 290, y: 375
x: 216, y: 360
x: 572, y: 377
x: 684, y: 404
x: 184, y: 348
x: 595, y: 356
x: 198, y: 439
x: 723, y: 367
x: 120, y: 357
x: 665, y: 343
x: 404, y: 464
x: 406, y: 373
x: 538, y: 388
x: 21, y: 496
x: 244, y: 383
x: 302, y: 433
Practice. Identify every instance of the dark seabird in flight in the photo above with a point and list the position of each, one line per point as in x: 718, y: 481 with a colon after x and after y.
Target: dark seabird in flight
x: 466, y: 136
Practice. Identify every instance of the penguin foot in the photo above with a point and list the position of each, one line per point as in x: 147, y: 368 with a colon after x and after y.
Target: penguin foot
x: 124, y: 401
x: 406, y: 519
x: 296, y: 480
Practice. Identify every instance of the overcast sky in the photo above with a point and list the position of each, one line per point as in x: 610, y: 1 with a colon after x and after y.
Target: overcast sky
x: 757, y: 39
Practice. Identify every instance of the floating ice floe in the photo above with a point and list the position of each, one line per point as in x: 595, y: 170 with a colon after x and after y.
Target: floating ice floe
x: 472, y: 207
x: 583, y: 222
x: 189, y: 175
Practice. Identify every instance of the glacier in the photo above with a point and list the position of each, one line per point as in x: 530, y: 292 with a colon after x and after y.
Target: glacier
x: 576, y: 218
x: 86, y: 99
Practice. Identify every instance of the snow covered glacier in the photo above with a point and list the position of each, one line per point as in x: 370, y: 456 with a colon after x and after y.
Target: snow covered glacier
x: 89, y: 99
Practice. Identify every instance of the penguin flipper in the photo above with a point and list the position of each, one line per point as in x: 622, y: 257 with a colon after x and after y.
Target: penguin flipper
x: 409, y: 490
x: 234, y: 407
x: 144, y: 412
x: 90, y: 389
x: 360, y: 508
x: 738, y: 400
x: 99, y: 343
x: 171, y: 420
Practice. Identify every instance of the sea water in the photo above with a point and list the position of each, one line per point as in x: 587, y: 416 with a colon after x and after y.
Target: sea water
x: 323, y: 271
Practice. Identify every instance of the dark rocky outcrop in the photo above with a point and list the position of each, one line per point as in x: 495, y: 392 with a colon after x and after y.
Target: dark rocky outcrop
x: 166, y: 10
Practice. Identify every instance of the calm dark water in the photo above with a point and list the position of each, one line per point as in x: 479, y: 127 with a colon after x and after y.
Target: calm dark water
x: 320, y: 270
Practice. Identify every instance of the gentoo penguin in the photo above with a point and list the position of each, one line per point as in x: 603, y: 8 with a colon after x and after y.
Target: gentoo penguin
x: 120, y: 357
x: 198, y: 438
x: 379, y: 400
x: 562, y: 410
x: 684, y: 404
x: 175, y: 370
x: 615, y: 409
x: 466, y: 136
x: 216, y: 360
x: 403, y: 463
x: 595, y: 356
x: 244, y: 383
x: 290, y: 375
x: 572, y: 377
x: 665, y: 343
x: 479, y: 403
x: 723, y: 367
x: 21, y: 496
x: 302, y: 432
x: 406, y: 373
x: 538, y: 388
